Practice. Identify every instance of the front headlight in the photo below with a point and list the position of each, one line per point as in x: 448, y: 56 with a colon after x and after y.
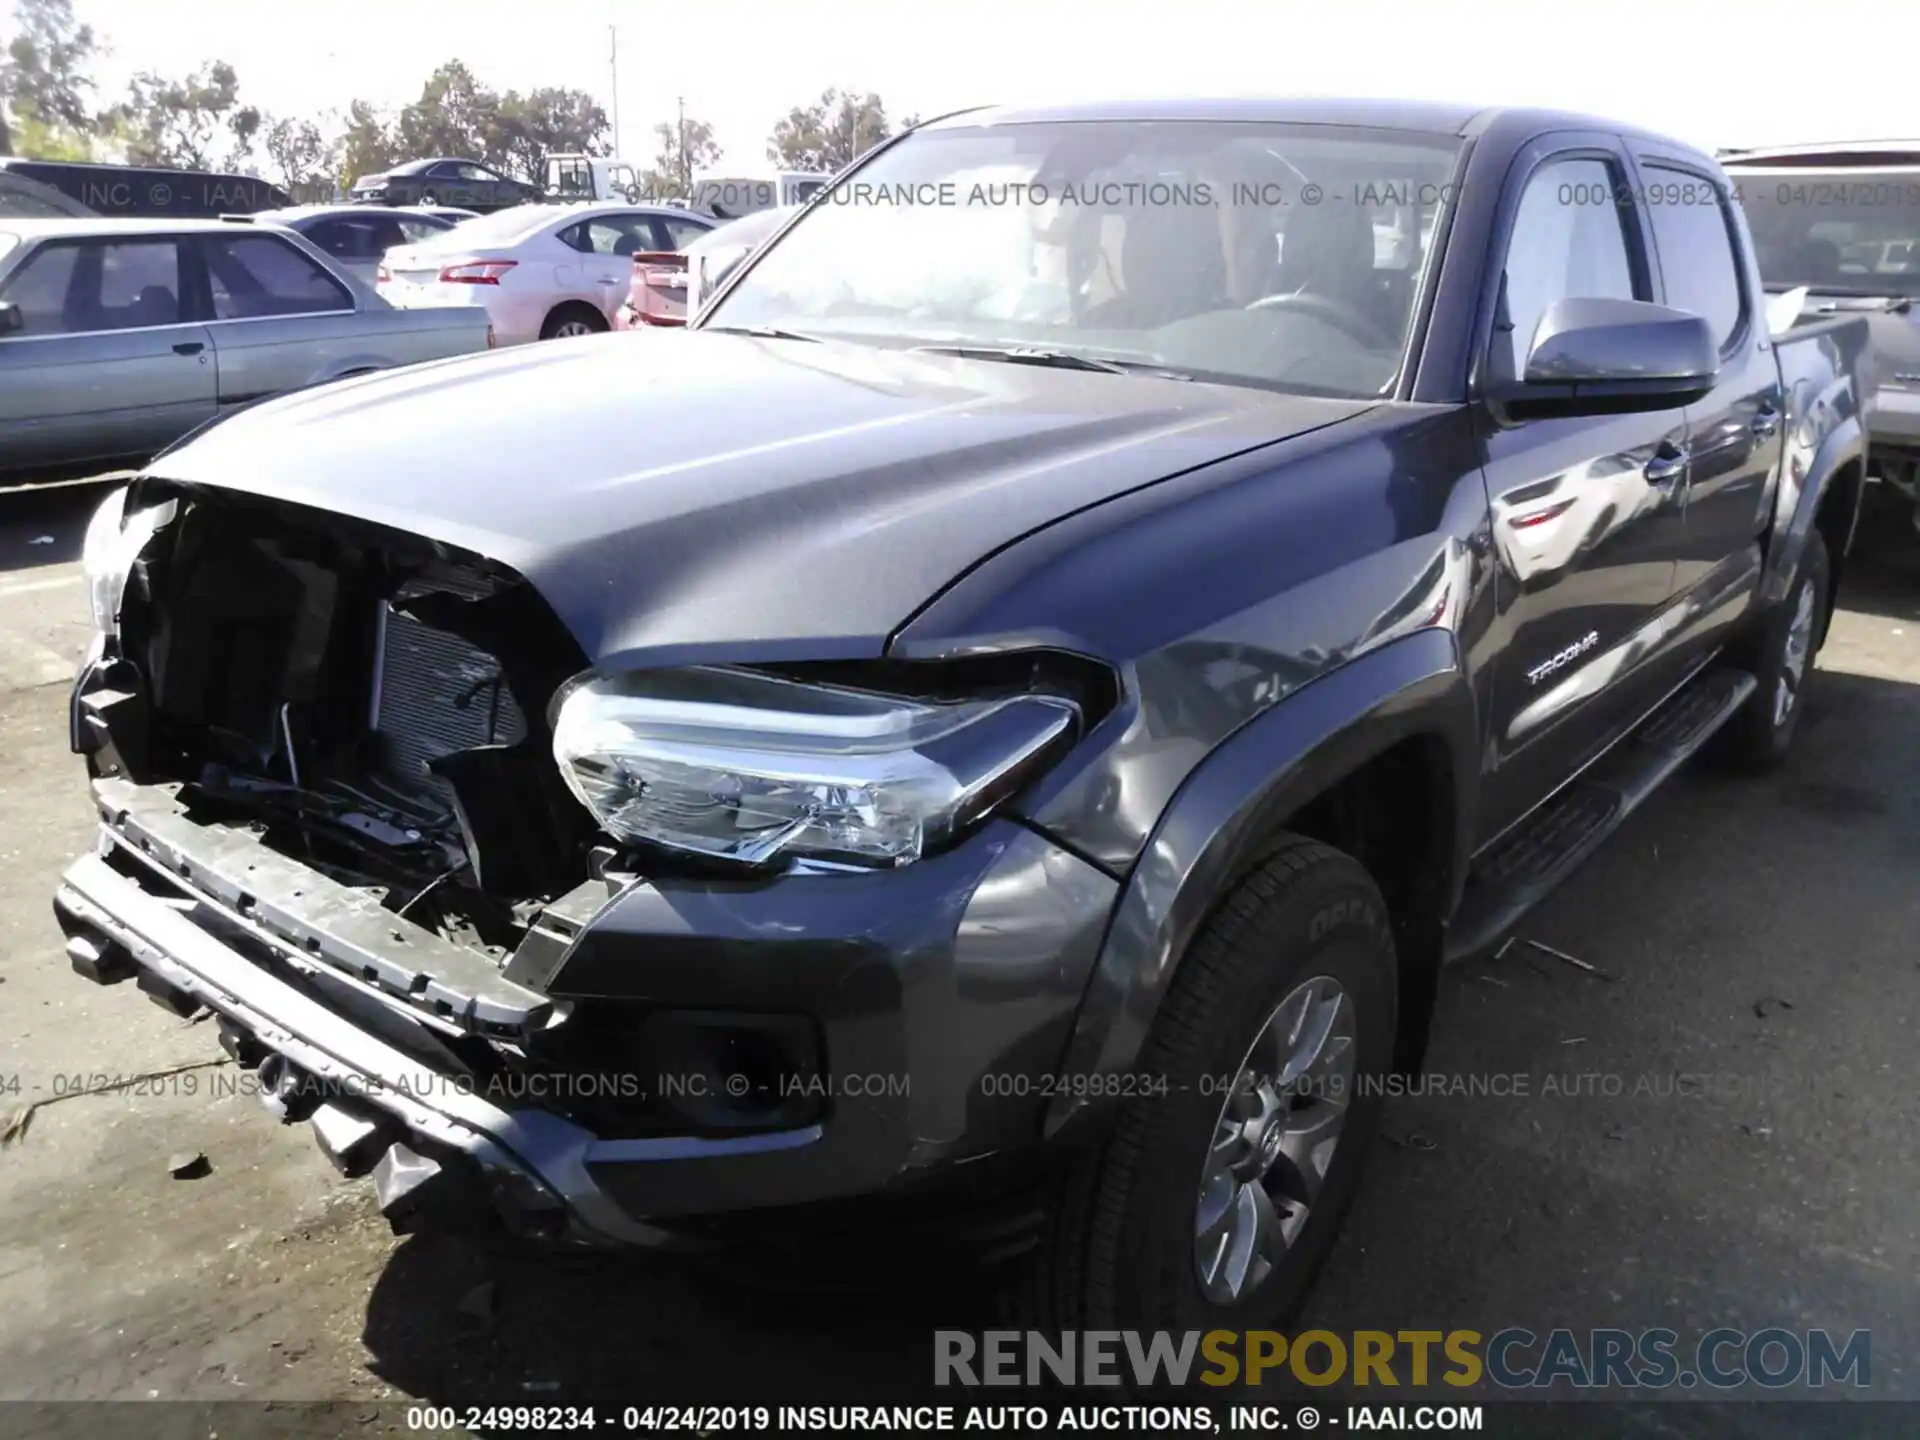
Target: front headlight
x: 747, y: 767
x: 115, y: 538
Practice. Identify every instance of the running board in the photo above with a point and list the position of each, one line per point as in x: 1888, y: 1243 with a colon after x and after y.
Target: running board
x: 1548, y: 845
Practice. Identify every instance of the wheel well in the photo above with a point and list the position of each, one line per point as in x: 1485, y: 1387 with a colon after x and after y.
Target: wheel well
x: 1395, y: 815
x: 1835, y: 520
x: 573, y: 307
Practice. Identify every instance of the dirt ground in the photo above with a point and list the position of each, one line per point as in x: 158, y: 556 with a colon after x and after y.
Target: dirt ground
x: 1760, y: 935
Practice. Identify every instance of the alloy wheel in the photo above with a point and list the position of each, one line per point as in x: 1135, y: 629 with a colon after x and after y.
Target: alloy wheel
x: 1274, y: 1140
x: 1793, y: 665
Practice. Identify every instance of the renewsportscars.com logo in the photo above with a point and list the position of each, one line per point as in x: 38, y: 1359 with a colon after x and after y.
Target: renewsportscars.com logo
x: 1514, y: 1358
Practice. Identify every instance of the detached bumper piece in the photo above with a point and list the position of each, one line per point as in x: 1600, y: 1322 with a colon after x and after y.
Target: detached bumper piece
x: 440, y: 1155
x: 336, y: 924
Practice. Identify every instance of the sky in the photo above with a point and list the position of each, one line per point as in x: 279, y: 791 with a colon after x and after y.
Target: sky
x: 1760, y: 72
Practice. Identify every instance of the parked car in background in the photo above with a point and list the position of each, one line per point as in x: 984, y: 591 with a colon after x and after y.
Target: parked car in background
x: 465, y: 183
x: 669, y: 288
x: 1843, y: 221
x: 355, y: 237
x: 1103, y: 725
x: 24, y: 199
x: 117, y: 337
x: 128, y: 191
x: 541, y: 272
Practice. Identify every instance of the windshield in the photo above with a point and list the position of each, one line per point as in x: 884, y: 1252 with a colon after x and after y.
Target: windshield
x: 1284, y: 256
x: 1851, y: 232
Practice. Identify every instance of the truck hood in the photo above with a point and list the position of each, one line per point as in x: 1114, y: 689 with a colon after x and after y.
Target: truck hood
x: 685, y: 494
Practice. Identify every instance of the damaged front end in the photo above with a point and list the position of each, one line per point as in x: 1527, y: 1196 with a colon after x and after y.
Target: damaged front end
x: 320, y: 755
x: 618, y: 956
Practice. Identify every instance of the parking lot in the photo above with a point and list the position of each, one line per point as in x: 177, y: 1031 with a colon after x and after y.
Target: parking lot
x: 1753, y: 938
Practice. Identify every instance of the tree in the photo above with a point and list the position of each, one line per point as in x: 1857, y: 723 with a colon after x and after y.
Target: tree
x: 301, y: 154
x: 455, y: 116
x: 179, y: 122
x: 549, y: 121
x: 367, y: 146
x: 44, y: 87
x: 684, y: 147
x: 828, y: 136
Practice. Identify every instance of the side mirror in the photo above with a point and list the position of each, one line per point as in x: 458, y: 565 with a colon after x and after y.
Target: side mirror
x: 1613, y: 357
x: 11, y: 320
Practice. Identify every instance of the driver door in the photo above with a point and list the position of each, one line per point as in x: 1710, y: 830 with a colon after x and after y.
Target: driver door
x: 1588, y: 516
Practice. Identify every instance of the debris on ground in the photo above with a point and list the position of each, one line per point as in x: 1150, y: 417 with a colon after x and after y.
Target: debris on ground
x: 188, y: 1165
x: 1574, y: 1040
x: 1573, y: 960
x: 1494, y: 980
x: 17, y: 1123
x: 1618, y: 1132
x: 1411, y: 1141
x: 1770, y: 1005
x: 1759, y: 1132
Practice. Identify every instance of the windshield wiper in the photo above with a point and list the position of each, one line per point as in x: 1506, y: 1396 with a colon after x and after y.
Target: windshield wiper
x: 762, y: 332
x: 1054, y: 359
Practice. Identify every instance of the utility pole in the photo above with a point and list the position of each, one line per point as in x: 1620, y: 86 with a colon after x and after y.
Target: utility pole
x: 613, y: 66
x: 686, y: 170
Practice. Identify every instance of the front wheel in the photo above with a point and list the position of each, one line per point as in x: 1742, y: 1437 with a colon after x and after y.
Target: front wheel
x: 1214, y: 1200
x: 1757, y: 738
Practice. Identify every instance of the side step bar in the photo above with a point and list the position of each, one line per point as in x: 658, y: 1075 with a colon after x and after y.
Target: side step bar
x: 1526, y: 865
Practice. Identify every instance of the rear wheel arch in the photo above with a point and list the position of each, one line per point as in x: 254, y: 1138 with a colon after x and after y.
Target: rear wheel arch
x: 568, y: 310
x: 1332, y: 763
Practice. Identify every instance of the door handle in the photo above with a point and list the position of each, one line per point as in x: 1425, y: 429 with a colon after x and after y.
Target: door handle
x: 189, y: 347
x: 1668, y: 464
x: 1766, y: 422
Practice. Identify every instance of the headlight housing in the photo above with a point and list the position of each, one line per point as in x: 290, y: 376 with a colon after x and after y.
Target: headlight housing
x: 748, y: 767
x: 115, y: 538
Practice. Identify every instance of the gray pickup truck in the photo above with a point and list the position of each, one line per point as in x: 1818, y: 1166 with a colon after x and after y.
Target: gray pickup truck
x: 117, y: 337
x: 1004, y: 739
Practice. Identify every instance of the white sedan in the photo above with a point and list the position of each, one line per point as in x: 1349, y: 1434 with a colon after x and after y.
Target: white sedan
x: 540, y: 271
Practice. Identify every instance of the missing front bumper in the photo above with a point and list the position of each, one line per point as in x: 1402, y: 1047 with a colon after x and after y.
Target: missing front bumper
x: 443, y: 1148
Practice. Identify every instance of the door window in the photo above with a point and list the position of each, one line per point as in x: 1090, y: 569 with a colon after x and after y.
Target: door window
x: 414, y: 229
x: 102, y: 285
x: 257, y: 275
x: 1569, y: 243
x: 680, y: 233
x: 40, y: 288
x: 1692, y: 231
x: 610, y: 235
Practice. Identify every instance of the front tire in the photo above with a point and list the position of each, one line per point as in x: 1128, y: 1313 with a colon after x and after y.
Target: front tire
x: 1214, y: 1203
x: 1757, y: 739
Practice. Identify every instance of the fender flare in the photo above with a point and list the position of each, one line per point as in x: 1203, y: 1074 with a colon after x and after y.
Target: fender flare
x: 1796, y: 506
x: 1230, y: 804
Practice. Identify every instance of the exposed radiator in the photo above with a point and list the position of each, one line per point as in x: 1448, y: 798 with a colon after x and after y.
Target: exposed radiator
x: 433, y: 694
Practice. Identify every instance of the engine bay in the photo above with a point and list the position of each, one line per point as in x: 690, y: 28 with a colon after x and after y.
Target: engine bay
x: 366, y: 701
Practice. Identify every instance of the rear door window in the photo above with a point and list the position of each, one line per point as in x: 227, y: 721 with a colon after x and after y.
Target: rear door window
x: 255, y: 276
